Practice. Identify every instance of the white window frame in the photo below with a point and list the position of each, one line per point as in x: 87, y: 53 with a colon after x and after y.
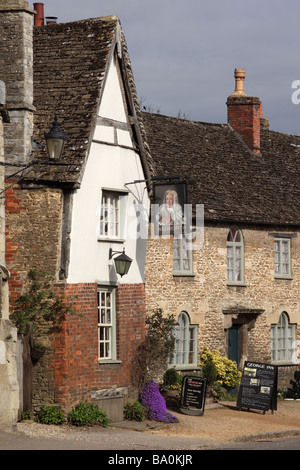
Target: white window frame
x: 106, y: 324
x: 283, y: 340
x: 183, y: 263
x: 112, y: 215
x: 186, y: 343
x: 282, y: 258
x: 235, y: 255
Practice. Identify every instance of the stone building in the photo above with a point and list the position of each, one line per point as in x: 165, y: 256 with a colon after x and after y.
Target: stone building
x: 72, y: 217
x: 9, y: 397
x: 237, y: 288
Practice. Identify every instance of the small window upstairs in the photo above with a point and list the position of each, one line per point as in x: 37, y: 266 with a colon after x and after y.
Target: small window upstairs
x: 182, y: 256
x: 112, y: 215
x: 282, y: 257
x: 235, y: 257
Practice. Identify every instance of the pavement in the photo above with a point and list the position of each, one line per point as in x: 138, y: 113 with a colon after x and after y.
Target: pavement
x: 221, y: 425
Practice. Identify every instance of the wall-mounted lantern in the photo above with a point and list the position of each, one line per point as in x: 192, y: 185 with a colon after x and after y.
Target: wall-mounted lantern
x: 122, y: 262
x: 55, y: 141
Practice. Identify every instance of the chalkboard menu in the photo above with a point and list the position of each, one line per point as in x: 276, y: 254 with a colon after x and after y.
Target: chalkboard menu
x: 258, y: 387
x: 193, y: 395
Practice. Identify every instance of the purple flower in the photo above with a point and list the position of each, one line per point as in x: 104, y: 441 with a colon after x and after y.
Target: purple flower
x: 155, y: 404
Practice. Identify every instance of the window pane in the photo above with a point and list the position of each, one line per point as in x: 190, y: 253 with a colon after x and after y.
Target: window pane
x: 186, y: 342
x: 230, y: 263
x: 182, y: 255
x: 102, y: 317
x: 109, y: 216
x: 105, y: 320
x: 191, y: 345
x: 282, y: 257
x: 235, y: 256
x: 283, y: 339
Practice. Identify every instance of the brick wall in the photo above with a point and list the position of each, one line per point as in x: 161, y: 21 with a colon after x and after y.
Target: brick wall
x: 244, y: 116
x: 76, y: 372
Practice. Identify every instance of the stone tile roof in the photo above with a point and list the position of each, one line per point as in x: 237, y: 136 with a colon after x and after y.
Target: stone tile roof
x: 234, y: 185
x: 70, y: 62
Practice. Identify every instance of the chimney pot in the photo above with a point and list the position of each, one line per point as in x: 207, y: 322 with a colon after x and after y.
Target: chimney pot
x: 51, y: 19
x: 239, y: 76
x: 39, y: 15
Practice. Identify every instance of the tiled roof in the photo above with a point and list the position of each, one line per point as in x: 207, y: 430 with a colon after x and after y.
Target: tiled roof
x: 70, y: 62
x: 234, y: 185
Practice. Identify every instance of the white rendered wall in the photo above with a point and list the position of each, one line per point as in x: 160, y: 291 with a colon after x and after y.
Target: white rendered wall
x: 108, y: 166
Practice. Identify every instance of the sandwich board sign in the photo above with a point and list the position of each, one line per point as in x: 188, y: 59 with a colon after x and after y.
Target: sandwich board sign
x: 192, y: 399
x: 258, y: 387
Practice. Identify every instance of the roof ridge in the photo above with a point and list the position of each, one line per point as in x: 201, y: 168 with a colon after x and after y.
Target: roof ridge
x: 185, y: 120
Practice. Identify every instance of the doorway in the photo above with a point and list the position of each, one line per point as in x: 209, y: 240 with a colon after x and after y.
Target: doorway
x: 233, y: 343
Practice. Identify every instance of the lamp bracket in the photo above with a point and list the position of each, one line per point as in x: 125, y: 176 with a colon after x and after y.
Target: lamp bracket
x: 112, y: 253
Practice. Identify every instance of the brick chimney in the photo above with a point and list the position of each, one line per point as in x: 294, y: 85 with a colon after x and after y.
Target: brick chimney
x: 16, y: 70
x: 39, y: 14
x: 244, y: 113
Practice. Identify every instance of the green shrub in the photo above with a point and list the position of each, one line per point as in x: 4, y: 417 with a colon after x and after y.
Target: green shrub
x: 228, y: 374
x: 210, y: 372
x: 134, y: 411
x: 49, y: 414
x: 87, y: 413
x: 26, y: 415
x: 170, y: 377
x: 221, y: 393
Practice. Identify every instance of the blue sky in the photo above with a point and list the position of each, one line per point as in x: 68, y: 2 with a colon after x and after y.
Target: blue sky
x: 184, y: 52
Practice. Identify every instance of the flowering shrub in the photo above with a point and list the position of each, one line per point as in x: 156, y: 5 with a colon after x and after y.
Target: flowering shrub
x: 228, y: 374
x: 172, y: 379
x: 155, y: 404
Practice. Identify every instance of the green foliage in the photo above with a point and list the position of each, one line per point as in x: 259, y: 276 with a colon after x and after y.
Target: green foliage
x: 49, y: 414
x: 154, y: 352
x: 40, y: 310
x: 26, y: 415
x: 87, y: 413
x: 209, y: 371
x: 221, y: 393
x: 159, y: 329
x: 172, y: 379
x: 134, y: 411
x: 228, y: 374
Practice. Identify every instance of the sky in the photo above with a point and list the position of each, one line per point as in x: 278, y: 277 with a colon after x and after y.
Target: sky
x: 184, y: 52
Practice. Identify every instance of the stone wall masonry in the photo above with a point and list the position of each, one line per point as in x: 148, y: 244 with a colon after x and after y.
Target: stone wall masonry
x: 33, y: 233
x: 206, y: 295
x: 16, y: 70
x: 9, y: 399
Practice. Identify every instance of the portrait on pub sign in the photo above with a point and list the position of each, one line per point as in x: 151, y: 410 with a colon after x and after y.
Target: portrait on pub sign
x: 169, y: 203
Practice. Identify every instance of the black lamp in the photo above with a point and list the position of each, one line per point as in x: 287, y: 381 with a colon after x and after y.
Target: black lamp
x: 55, y: 141
x: 122, y: 262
